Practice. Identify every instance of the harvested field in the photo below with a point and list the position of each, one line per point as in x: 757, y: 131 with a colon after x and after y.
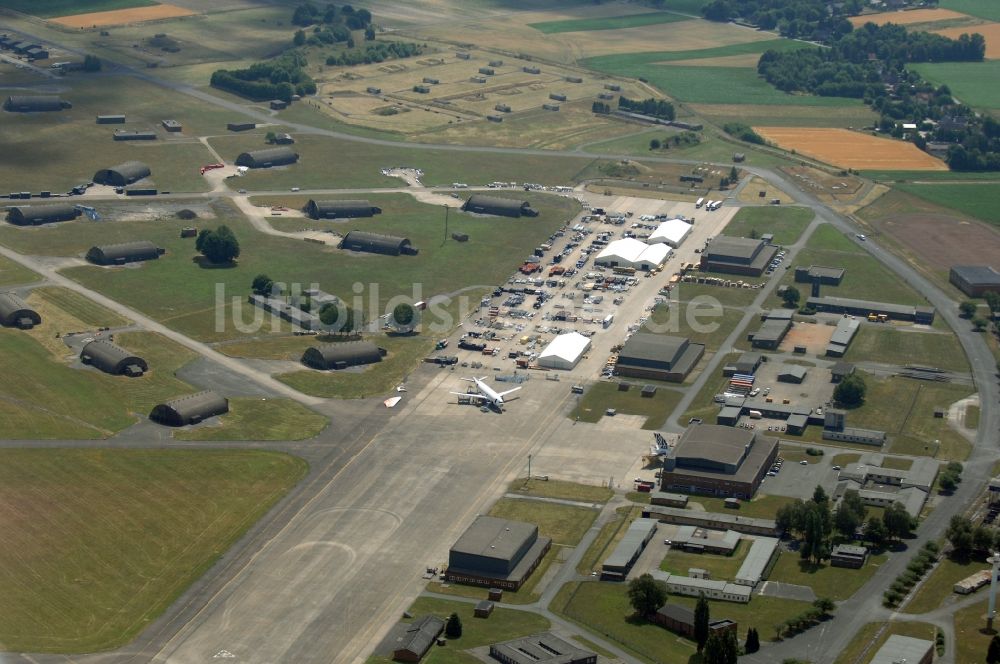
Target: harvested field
x: 908, y: 17
x: 813, y: 336
x: 989, y: 31
x: 123, y: 16
x: 849, y: 149
x: 742, y: 60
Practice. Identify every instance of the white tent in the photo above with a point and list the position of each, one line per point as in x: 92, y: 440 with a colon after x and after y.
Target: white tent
x: 564, y: 351
x: 652, y: 257
x: 624, y: 252
x: 672, y: 232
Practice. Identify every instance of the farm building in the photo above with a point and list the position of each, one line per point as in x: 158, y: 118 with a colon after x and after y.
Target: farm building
x: 191, y: 409
x: 375, y: 243
x: 125, y: 252
x: 112, y: 359
x: 35, y: 215
x: 122, y: 174
x: 172, y: 125
x: 680, y: 620
x: 844, y: 305
x: 564, y: 351
x: 417, y: 638
x: 342, y: 355
x: 629, y: 252
x: 35, y: 104
x: 542, y: 648
x: 341, y: 209
x: 658, y: 357
x: 118, y: 118
x: 737, y: 255
x: 496, y: 553
x: 133, y: 135
x: 975, y: 280
x: 671, y: 232
x: 719, y: 460
x: 14, y: 312
x: 496, y: 205
x: 267, y: 158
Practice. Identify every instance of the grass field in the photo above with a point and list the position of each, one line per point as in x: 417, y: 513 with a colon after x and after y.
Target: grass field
x: 503, y: 624
x: 837, y: 583
x: 97, y: 543
x: 601, y: 396
x: 981, y: 8
x: 866, y: 639
x: 560, y: 490
x: 607, y: 23
x: 851, y: 149
x: 981, y: 201
x: 610, y: 534
x: 731, y: 297
x: 77, y: 306
x: 901, y: 347
x: 12, y: 273
x: 701, y: 324
x: 971, y: 642
x: 564, y: 524
x: 43, y: 397
x: 124, y: 16
x: 938, y: 587
x: 786, y: 223
x: 969, y: 81
x: 762, y: 506
x: 260, y: 419
x: 718, y: 566
x: 50, y: 8
x: 789, y: 115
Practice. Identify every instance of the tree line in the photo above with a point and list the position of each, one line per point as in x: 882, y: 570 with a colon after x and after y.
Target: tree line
x: 279, y: 78
x: 657, y: 108
x: 307, y: 14
x: 376, y: 52
x: 795, y: 19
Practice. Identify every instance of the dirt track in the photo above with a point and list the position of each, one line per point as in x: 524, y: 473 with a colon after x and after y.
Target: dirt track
x: 122, y: 16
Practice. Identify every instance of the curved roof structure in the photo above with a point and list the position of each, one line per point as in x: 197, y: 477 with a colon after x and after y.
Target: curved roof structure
x: 629, y: 252
x: 564, y: 351
x: 34, y: 215
x: 376, y: 243
x: 126, y: 252
x: 14, y: 312
x: 34, y: 104
x: 341, y: 209
x: 113, y: 359
x: 672, y: 232
x: 497, y: 205
x: 122, y: 174
x: 267, y: 158
x: 342, y: 355
x: 191, y: 409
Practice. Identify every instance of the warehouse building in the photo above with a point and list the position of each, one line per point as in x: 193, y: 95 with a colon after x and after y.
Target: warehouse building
x: 828, y: 276
x: 496, y: 553
x: 638, y: 535
x: 268, y: 157
x: 35, y: 104
x: 842, y: 337
x: 499, y: 206
x: 542, y: 648
x: 191, y: 409
x: 122, y: 174
x: 36, y: 215
x: 745, y: 364
x: 844, y: 305
x: 564, y: 352
x: 758, y: 562
x: 375, y: 243
x: 715, y: 520
x: 417, y: 638
x: 629, y: 252
x: 719, y: 460
x: 771, y: 333
x: 975, y: 280
x: 112, y: 359
x: 737, y: 255
x: 898, y: 648
x: 680, y: 620
x: 342, y: 355
x: 341, y: 209
x: 15, y: 312
x: 672, y: 232
x: 125, y: 252
x: 658, y: 357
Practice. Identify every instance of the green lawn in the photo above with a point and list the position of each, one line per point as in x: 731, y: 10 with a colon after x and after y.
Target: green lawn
x: 972, y: 82
x: 601, y: 396
x: 866, y: 641
x: 981, y: 8
x: 503, y: 625
x: 560, y: 489
x: 79, y: 307
x: 762, y: 506
x: 786, y: 223
x: 42, y: 397
x: 844, y: 459
x: 607, y: 22
x: 980, y: 201
x: 727, y: 297
x: 939, y: 586
x: 703, y: 323
x: 610, y: 534
x: 260, y: 419
x: 891, y: 346
x: 12, y: 273
x: 51, y: 8
x: 564, y: 524
x: 970, y: 641
x: 97, y: 543
x: 837, y: 583
x: 718, y: 566
x: 972, y: 417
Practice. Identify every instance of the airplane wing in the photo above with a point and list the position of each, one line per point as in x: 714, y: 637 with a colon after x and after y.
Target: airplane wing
x: 503, y: 394
x: 466, y: 394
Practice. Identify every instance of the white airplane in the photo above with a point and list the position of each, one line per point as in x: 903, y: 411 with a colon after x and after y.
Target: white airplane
x: 486, y: 393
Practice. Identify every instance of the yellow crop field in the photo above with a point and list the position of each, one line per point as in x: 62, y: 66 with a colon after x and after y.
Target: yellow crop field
x: 908, y: 17
x: 850, y: 149
x: 123, y: 16
x: 989, y: 31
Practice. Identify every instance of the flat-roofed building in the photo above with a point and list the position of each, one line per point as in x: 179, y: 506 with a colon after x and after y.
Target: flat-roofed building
x: 710, y: 588
x: 658, y: 357
x: 542, y: 648
x: 848, y: 555
x: 904, y: 649
x: 416, y: 638
x: 719, y: 460
x: 680, y: 620
x: 669, y: 499
x: 975, y: 280
x: 771, y: 333
x: 737, y: 255
x: 695, y: 539
x: 717, y: 520
x: 842, y: 336
x: 638, y: 535
x: 973, y: 582
x: 496, y: 553
x: 844, y: 305
x: 758, y: 561
x: 746, y: 364
x: 830, y: 276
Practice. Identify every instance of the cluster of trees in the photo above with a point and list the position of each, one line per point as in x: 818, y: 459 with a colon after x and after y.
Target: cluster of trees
x: 851, y: 391
x: 683, y: 139
x: 915, y: 570
x: 377, y: 52
x: 950, y: 476
x: 967, y: 540
x: 453, y: 628
x: 818, y: 612
x: 600, y: 107
x: 744, y: 132
x: 796, y: 19
x: 92, y: 63
x: 340, y: 318
x: 279, y: 78
x: 262, y: 285
x: 219, y: 246
x: 657, y: 108
x: 721, y: 649
x: 308, y: 14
